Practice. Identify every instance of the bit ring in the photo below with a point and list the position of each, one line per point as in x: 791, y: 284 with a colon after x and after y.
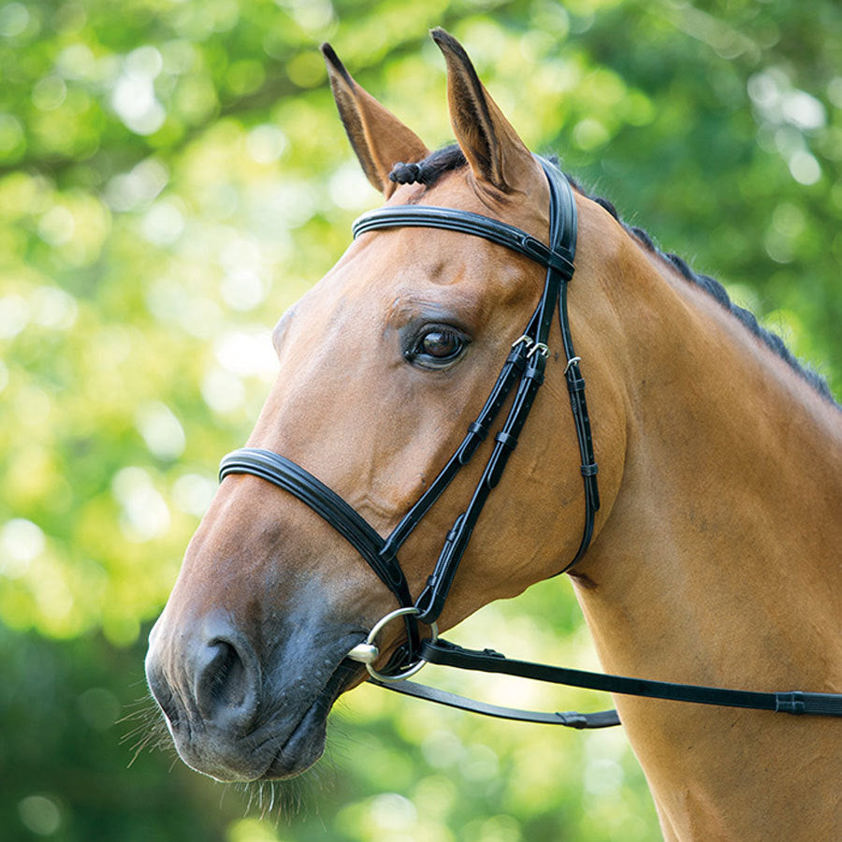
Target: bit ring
x: 368, y: 652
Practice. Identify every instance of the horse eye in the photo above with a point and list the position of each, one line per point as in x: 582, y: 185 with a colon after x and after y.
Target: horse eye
x: 441, y: 344
x: 437, y: 347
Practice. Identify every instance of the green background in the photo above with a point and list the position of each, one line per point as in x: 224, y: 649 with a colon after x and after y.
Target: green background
x: 172, y: 177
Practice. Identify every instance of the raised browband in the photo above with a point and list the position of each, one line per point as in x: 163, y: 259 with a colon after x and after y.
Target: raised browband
x: 558, y: 258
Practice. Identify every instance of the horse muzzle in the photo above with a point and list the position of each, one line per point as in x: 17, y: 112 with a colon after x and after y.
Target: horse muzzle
x: 238, y: 715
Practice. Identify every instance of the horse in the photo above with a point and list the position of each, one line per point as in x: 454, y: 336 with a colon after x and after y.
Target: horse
x: 711, y: 554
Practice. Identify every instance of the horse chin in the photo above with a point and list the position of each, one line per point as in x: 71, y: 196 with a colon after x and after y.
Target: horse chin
x: 306, y: 744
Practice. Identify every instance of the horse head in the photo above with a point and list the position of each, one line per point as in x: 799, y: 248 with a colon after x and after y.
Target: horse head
x: 383, y: 365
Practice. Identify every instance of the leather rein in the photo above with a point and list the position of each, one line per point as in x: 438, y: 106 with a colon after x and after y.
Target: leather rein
x: 521, y: 376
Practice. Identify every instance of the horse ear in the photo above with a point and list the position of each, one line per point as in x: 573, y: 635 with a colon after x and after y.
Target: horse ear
x: 496, y: 154
x: 377, y: 137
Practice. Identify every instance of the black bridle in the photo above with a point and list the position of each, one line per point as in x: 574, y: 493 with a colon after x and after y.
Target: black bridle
x: 520, y: 377
x: 522, y: 373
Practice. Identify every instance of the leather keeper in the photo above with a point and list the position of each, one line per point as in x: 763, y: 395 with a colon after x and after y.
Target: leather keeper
x: 506, y: 439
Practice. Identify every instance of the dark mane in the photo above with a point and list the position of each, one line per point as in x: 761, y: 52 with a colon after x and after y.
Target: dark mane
x: 450, y: 158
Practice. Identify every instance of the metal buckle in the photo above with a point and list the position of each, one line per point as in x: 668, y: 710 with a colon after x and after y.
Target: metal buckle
x: 367, y: 653
x: 525, y: 338
x: 540, y: 348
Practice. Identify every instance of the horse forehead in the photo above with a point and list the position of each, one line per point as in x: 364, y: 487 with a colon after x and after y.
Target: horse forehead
x: 399, y: 274
x: 395, y: 274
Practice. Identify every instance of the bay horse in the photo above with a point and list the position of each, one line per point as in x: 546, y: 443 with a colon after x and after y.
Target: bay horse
x: 711, y: 554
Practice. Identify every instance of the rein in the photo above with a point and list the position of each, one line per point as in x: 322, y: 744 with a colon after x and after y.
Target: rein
x: 523, y: 374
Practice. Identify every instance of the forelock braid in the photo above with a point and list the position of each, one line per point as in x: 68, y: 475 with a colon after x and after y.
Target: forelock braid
x: 408, y: 174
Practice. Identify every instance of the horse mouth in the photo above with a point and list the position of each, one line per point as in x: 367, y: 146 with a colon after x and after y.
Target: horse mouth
x: 289, y: 755
x: 288, y: 741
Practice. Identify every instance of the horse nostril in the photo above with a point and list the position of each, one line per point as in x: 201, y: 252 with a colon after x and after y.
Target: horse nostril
x: 225, y: 674
x: 227, y: 682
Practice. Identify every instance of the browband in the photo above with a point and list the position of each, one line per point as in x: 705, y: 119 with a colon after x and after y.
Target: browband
x: 559, y: 258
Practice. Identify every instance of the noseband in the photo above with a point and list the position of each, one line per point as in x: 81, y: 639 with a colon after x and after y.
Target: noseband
x: 523, y: 374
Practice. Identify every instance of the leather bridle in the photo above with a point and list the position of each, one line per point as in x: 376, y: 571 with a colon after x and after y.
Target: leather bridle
x: 523, y: 369
x: 521, y: 376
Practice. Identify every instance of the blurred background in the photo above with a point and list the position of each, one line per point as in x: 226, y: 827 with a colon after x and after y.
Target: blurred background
x: 173, y: 176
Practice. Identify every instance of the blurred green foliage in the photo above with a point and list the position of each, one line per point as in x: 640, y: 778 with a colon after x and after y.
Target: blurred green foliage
x: 172, y: 177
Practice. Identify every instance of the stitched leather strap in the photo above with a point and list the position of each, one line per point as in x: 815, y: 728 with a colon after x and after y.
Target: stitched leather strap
x: 477, y: 432
x: 464, y: 222
x: 285, y: 474
x: 569, y: 719
x: 442, y: 652
x: 794, y: 702
x: 431, y: 600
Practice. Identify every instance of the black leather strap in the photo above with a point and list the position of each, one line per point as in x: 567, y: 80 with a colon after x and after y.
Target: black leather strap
x: 464, y: 222
x: 285, y: 474
x: 569, y: 719
x: 448, y: 654
x: 432, y: 598
x: 477, y: 432
x: 793, y: 702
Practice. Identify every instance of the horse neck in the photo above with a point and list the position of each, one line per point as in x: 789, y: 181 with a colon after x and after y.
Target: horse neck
x: 732, y: 483
x: 719, y: 560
